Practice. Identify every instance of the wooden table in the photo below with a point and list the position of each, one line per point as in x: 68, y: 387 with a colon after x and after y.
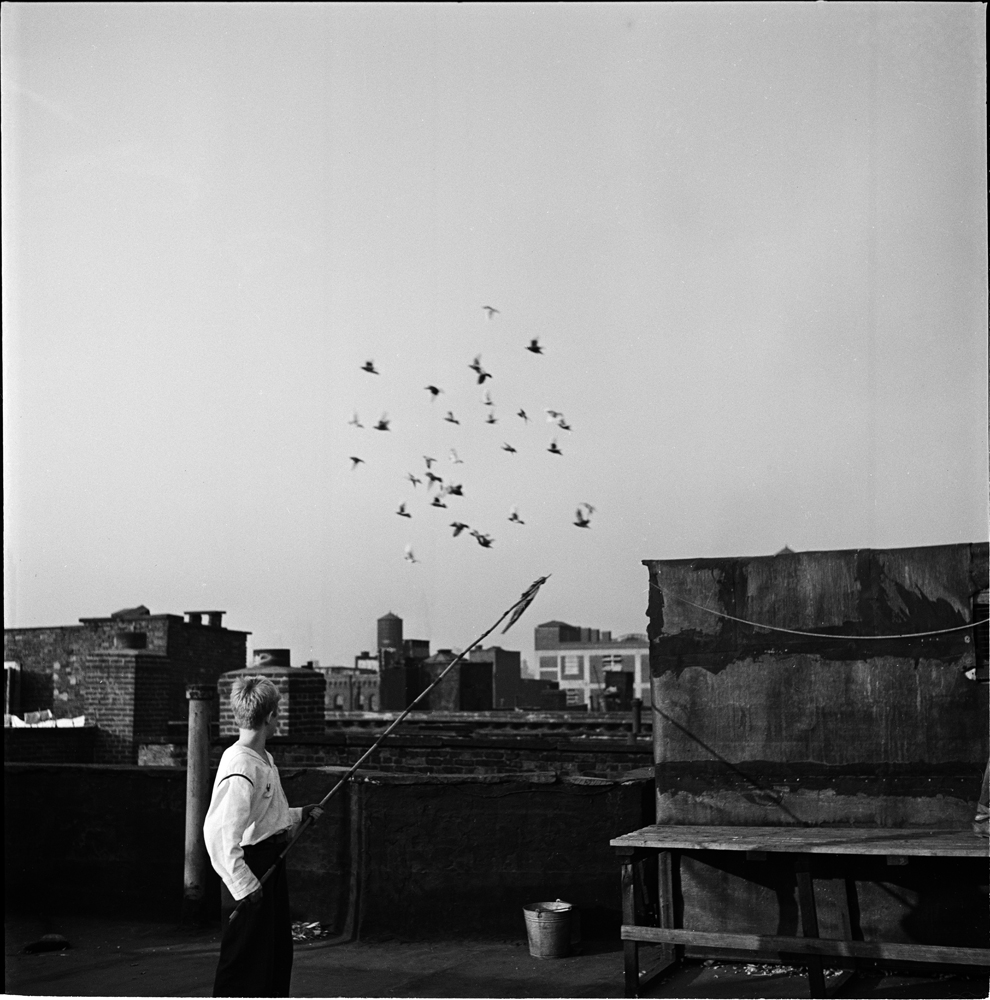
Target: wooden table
x: 660, y: 842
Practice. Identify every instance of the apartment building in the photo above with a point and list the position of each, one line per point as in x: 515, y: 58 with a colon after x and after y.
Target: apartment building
x: 594, y: 670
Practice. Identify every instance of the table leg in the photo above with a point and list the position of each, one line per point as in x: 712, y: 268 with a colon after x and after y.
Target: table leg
x: 630, y: 949
x: 809, y: 926
x: 665, y: 902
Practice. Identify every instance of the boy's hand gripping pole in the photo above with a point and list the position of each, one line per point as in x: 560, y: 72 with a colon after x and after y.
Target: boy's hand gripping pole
x: 515, y: 612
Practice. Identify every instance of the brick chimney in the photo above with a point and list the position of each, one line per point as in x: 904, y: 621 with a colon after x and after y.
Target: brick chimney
x: 126, y: 693
x: 302, y: 711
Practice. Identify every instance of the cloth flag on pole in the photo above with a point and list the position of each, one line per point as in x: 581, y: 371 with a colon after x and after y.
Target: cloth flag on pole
x: 525, y: 601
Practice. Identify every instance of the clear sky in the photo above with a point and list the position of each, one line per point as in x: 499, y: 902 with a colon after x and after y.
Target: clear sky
x: 751, y: 239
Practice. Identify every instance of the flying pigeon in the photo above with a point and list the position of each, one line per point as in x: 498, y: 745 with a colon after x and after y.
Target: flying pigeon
x: 355, y: 422
x: 508, y: 447
x: 413, y: 479
x: 534, y: 346
x: 355, y: 462
x: 563, y: 424
x: 437, y: 502
x: 491, y: 310
x: 475, y: 366
x: 382, y: 424
x: 458, y: 527
x: 432, y: 479
x: 429, y: 461
x: 588, y: 507
x: 553, y: 449
x: 488, y: 399
x: 553, y: 415
x: 433, y: 391
x: 524, y: 415
x: 514, y: 516
x: 450, y: 418
x: 409, y: 555
x: 369, y: 366
x: 483, y: 540
x: 455, y: 490
x: 454, y: 458
x: 580, y: 520
x: 402, y: 512
x: 491, y: 419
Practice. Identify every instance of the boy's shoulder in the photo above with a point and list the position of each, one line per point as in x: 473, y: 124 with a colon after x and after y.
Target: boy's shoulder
x: 241, y: 758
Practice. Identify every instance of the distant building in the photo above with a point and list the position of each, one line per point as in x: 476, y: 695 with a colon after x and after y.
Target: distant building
x: 502, y: 676
x: 352, y: 689
x: 541, y: 696
x: 446, y: 696
x: 50, y: 661
x: 486, y: 680
x: 400, y: 672
x: 594, y: 670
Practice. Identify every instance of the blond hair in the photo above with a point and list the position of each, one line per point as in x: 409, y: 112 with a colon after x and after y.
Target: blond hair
x: 252, y: 699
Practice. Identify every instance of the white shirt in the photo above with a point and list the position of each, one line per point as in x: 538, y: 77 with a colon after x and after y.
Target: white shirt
x: 248, y: 806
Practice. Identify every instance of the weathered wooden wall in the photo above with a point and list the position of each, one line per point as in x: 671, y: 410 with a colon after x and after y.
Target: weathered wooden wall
x: 760, y: 727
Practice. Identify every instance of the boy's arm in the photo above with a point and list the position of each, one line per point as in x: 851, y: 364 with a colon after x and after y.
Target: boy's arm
x: 228, y: 817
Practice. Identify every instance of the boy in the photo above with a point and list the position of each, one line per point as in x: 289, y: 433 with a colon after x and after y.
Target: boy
x: 248, y: 824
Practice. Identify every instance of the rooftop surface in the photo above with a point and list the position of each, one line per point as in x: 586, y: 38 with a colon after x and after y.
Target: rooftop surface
x: 118, y: 958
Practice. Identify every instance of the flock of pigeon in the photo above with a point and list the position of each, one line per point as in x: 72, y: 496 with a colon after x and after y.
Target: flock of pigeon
x: 445, y: 488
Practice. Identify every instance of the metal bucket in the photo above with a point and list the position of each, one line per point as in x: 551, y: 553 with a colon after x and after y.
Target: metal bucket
x: 548, y: 927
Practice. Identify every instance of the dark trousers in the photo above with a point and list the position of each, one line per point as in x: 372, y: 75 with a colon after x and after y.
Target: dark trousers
x: 256, y: 949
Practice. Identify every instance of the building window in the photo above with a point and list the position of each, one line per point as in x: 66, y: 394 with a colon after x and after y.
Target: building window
x: 360, y: 704
x: 573, y: 666
x: 338, y: 702
x: 575, y: 696
x: 371, y: 703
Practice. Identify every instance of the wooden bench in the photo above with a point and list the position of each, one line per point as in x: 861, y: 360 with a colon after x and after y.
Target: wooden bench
x: 659, y: 842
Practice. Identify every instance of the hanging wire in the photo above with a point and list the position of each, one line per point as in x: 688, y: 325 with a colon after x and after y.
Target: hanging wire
x: 814, y: 635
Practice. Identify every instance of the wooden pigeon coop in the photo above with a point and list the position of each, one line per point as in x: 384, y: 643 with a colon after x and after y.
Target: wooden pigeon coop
x: 820, y: 735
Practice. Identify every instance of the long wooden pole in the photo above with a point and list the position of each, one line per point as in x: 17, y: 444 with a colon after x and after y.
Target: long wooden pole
x: 515, y: 610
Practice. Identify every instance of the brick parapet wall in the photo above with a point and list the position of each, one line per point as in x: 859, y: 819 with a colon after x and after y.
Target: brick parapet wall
x: 432, y: 755
x: 457, y: 838
x: 437, y: 755
x: 50, y: 745
x: 542, y: 723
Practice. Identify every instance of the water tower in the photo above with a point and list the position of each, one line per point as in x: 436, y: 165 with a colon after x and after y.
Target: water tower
x: 390, y: 632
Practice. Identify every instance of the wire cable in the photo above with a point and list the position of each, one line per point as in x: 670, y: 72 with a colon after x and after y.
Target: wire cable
x: 814, y: 635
